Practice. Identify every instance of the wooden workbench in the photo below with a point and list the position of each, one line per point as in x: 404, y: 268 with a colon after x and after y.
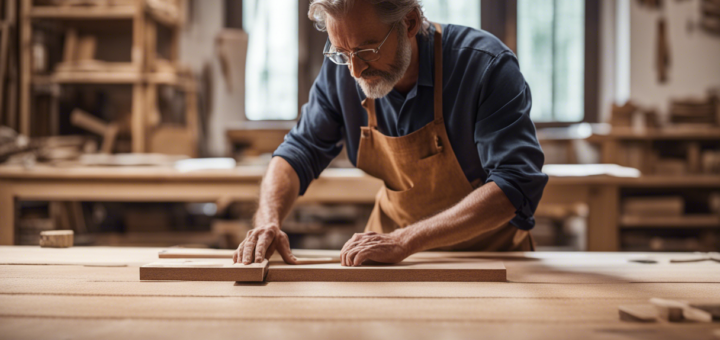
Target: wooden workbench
x: 90, y: 293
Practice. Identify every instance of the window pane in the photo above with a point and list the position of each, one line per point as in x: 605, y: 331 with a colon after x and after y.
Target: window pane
x: 534, y: 41
x: 551, y: 50
x: 271, y: 82
x: 569, y: 60
x: 458, y: 12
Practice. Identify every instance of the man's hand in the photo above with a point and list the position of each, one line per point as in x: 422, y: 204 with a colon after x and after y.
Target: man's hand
x: 261, y: 242
x: 385, y: 248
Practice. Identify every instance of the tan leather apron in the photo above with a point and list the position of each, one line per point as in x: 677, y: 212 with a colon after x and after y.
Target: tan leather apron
x: 423, y: 177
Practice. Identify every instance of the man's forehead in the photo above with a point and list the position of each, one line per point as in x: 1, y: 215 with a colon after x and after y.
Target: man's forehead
x: 351, y: 31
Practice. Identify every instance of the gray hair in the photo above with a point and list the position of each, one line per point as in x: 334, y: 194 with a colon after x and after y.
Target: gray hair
x: 390, y: 11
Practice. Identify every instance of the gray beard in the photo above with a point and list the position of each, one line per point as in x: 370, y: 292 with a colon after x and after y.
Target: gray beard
x: 387, y: 80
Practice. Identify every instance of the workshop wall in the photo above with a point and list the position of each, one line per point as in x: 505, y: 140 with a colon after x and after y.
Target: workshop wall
x: 694, y: 54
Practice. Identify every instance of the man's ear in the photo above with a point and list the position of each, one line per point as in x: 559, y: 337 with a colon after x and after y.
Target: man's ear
x: 412, y: 22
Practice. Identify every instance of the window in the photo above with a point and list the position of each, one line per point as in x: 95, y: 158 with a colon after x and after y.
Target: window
x: 271, y: 83
x: 551, y: 51
x: 458, y: 12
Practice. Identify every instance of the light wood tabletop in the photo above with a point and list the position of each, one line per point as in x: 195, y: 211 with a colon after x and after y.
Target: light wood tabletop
x: 95, y: 292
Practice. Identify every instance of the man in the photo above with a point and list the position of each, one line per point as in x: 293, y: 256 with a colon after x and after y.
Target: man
x: 439, y: 113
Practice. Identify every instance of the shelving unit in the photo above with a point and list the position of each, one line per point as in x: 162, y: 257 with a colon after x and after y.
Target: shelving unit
x: 145, y: 72
x: 689, y: 176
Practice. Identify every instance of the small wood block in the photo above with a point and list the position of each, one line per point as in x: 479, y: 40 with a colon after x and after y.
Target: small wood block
x: 56, y: 238
x: 638, y: 313
x: 203, y: 270
x: 674, y: 310
x: 447, y: 271
x: 712, y: 309
x: 668, y: 309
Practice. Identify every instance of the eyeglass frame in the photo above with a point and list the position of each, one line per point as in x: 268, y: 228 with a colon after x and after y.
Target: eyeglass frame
x: 351, y: 54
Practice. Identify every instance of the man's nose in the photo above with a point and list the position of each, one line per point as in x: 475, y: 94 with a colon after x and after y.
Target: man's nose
x: 357, y: 66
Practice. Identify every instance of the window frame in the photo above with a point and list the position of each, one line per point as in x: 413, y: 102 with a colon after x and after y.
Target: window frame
x: 500, y: 19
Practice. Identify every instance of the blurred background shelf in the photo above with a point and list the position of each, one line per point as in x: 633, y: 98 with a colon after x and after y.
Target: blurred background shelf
x: 686, y: 221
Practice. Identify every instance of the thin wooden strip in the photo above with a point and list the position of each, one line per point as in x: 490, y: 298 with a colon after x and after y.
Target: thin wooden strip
x: 441, y: 271
x: 189, y: 270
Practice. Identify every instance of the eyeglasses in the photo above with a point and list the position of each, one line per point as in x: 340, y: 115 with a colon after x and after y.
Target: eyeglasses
x: 343, y: 58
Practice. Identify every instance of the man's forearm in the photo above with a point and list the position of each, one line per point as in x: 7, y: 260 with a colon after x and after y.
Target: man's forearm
x: 484, y: 209
x: 278, y: 192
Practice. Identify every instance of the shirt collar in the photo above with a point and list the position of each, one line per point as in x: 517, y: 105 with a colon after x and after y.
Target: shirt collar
x: 426, y: 57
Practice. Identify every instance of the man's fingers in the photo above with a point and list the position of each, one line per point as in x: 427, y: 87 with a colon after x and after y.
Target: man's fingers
x: 249, y: 249
x: 271, y: 249
x: 263, y: 242
x: 283, y: 247
x: 350, y: 257
x: 360, y: 258
x: 239, y: 252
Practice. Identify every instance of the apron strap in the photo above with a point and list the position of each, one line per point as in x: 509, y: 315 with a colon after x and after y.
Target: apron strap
x: 369, y: 105
x: 438, y: 72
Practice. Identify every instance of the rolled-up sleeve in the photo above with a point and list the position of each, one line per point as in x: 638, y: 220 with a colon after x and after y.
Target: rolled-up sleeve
x: 506, y: 140
x: 315, y: 140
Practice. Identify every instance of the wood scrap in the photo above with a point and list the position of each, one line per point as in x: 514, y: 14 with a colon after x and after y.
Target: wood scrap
x: 70, y: 48
x: 56, y: 238
x: 638, y: 313
x: 654, y: 206
x: 89, y: 122
x: 712, y: 309
x: 203, y: 270
x: 86, y: 46
x: 676, y: 310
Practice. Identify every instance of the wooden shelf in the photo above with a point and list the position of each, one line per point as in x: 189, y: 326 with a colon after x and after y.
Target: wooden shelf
x: 685, y: 221
x: 110, y: 78
x: 670, y: 133
x: 82, y: 13
x: 90, y: 78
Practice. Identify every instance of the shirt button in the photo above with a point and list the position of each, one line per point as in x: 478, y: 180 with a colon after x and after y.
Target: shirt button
x: 402, y: 132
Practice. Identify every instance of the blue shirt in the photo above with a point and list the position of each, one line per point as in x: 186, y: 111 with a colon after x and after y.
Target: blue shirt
x: 486, y: 107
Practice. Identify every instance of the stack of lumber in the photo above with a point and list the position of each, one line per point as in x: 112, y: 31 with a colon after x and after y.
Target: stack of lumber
x: 654, y: 206
x: 631, y: 115
x: 711, y: 16
x: 696, y: 111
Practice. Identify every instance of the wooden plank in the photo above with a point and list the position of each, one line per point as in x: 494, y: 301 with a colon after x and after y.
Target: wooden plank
x: 421, y: 271
x: 203, y: 270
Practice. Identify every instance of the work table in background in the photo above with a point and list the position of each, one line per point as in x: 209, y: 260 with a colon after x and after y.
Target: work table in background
x: 568, y: 184
x: 95, y: 292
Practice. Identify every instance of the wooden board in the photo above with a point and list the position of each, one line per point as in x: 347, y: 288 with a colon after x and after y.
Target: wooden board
x: 419, y: 271
x: 190, y: 253
x: 196, y: 270
x: 195, y: 253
